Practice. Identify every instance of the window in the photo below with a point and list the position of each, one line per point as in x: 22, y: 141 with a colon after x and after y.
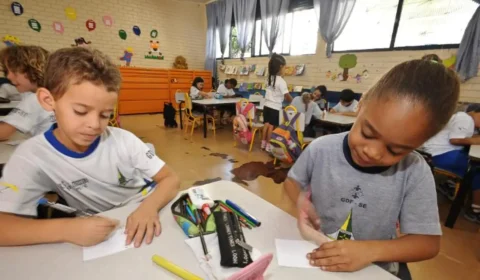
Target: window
x: 420, y: 24
x: 305, y: 33
x: 227, y: 48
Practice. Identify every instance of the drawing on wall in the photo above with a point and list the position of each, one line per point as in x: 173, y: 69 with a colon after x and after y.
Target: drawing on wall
x: 90, y: 24
x: 107, y: 20
x: 222, y: 67
x: 340, y: 77
x: 252, y: 68
x: 34, y: 24
x: 122, y: 34
x: 17, y: 8
x: 71, y: 13
x: 347, y: 61
x: 10, y: 40
x: 299, y: 69
x: 260, y: 71
x: 81, y: 42
x: 136, y: 30
x: 234, y: 70
x: 243, y: 70
x: 154, y: 51
x: 365, y: 74
x: 127, y: 56
x: 289, y: 70
x: 358, y: 78
x: 328, y: 75
x: 450, y: 62
x: 58, y: 27
x: 154, y: 33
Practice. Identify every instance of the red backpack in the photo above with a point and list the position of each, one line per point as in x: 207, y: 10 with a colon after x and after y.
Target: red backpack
x: 241, y: 131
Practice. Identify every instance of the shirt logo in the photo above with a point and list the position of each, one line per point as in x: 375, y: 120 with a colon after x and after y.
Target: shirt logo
x: 355, y: 194
x: 122, y: 180
x: 19, y: 112
x: 149, y: 154
x: 74, y: 185
x: 345, y: 232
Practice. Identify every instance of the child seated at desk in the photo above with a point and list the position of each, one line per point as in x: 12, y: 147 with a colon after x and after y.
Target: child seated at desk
x: 348, y: 105
x: 448, y: 152
x: 94, y: 167
x: 319, y: 95
x: 226, y: 89
x: 305, y: 105
x: 196, y: 90
x: 387, y: 180
x: 24, y: 68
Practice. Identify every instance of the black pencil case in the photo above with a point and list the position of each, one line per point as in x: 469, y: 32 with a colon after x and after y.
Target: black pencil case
x: 228, y: 232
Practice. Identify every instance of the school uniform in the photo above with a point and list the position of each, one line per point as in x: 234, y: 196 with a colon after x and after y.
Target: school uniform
x: 353, y: 107
x: 274, y: 97
x: 194, y: 92
x: 29, y: 117
x: 224, y: 91
x: 112, y: 170
x: 358, y: 203
x: 312, y: 110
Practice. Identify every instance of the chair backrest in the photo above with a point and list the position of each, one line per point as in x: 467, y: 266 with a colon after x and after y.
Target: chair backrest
x: 179, y: 96
x: 291, y: 111
x: 188, y: 104
x: 250, y: 114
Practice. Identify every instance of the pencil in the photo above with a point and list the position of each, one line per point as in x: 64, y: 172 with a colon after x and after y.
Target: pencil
x: 202, y: 239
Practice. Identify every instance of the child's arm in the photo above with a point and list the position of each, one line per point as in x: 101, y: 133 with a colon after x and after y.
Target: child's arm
x: 351, y: 255
x: 288, y: 97
x: 144, y: 221
x: 465, y: 141
x: 6, y: 131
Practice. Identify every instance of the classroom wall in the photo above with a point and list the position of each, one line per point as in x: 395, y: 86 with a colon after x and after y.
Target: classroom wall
x: 376, y: 63
x: 181, y: 27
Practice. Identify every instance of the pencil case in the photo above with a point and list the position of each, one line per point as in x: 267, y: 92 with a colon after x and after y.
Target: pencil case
x: 230, y: 240
x: 186, y: 222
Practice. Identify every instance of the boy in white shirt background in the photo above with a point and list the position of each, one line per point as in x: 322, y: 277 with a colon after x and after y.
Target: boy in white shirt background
x: 448, y: 150
x: 226, y: 89
x: 347, y: 106
x: 93, y: 167
x: 24, y: 68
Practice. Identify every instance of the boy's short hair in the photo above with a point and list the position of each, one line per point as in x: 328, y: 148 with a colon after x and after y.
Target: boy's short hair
x: 232, y: 81
x: 322, y: 89
x: 28, y: 60
x: 72, y: 66
x: 347, y: 95
x: 475, y: 107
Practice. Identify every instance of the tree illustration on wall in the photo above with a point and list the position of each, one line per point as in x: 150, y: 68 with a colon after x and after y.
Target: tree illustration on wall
x: 347, y: 61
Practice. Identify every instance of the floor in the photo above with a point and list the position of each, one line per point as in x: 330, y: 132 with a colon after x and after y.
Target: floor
x: 198, y: 160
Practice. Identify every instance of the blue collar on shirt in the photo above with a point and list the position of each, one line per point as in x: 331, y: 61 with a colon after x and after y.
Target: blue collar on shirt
x: 348, y: 157
x: 64, y: 150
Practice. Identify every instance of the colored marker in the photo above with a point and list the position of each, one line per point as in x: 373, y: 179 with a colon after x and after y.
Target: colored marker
x: 189, y: 211
x: 243, y: 213
x: 63, y: 208
x: 175, y: 269
x: 202, y: 239
x: 230, y: 209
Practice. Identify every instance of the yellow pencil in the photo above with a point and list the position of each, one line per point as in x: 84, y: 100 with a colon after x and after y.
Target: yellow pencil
x: 175, y: 269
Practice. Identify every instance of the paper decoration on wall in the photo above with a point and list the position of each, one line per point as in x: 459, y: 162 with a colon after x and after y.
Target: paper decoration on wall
x: 365, y: 74
x: 234, y: 70
x: 260, y: 71
x: 58, y: 27
x: 228, y: 69
x: 297, y: 88
x: 252, y: 68
x: 34, y: 24
x: 127, y: 56
x: 341, y: 77
x: 450, y: 62
x: 136, y: 30
x: 328, y: 75
x: 289, y: 70
x: 358, y: 78
x: 10, y: 40
x: 81, y: 42
x: 154, y: 51
x: 107, y: 20
x: 250, y: 86
x: 154, y: 33
x: 222, y: 67
x: 244, y: 70
x: 347, y: 61
x: 122, y: 34
x: 257, y: 86
x: 71, y: 13
x: 90, y: 24
x: 17, y: 8
x: 243, y: 87
x: 299, y: 69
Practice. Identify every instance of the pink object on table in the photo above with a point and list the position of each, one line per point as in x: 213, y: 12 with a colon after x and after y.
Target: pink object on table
x: 255, y: 270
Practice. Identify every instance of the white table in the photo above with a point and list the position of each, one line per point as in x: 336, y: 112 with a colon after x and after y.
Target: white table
x: 6, y: 150
x: 64, y: 261
x: 474, y: 152
x: 338, y: 119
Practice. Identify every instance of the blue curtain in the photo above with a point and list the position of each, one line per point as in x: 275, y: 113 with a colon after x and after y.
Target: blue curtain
x: 223, y: 13
x: 244, y: 13
x: 273, y: 14
x: 468, y: 54
x: 211, y: 47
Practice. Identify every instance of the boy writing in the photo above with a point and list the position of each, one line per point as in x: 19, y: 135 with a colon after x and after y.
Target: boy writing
x: 348, y: 105
x: 24, y: 68
x: 92, y: 166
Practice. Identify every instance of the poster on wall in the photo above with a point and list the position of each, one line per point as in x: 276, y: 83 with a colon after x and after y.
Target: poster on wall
x: 90, y: 24
x: 34, y: 24
x: 347, y: 61
x: 127, y: 56
x: 58, y: 27
x: 136, y: 30
x: 17, y: 8
x: 154, y: 51
x: 107, y: 20
x: 10, y: 40
x: 122, y: 34
x: 71, y: 13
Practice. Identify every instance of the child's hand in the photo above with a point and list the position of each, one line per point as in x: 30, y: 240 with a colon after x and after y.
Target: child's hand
x: 308, y: 221
x: 143, y: 222
x: 343, y: 255
x: 89, y: 231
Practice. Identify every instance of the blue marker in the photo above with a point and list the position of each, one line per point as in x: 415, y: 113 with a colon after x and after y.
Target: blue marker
x: 189, y: 211
x: 243, y: 212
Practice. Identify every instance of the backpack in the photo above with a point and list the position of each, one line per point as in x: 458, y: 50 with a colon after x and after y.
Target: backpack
x: 241, y: 132
x: 169, y: 113
x: 285, y: 140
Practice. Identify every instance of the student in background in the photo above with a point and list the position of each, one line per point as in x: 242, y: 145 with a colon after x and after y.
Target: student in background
x: 305, y: 105
x: 348, y: 105
x: 276, y: 92
x: 319, y: 96
x: 387, y: 180
x: 8, y: 92
x: 24, y: 67
x: 196, y: 90
x: 94, y: 167
x: 449, y: 152
x: 226, y: 89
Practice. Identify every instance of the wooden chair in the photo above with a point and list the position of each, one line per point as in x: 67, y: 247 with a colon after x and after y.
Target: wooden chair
x: 114, y: 119
x: 194, y: 118
x: 180, y: 99
x: 253, y: 126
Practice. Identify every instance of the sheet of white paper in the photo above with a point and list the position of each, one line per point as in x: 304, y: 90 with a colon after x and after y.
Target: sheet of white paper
x: 115, y: 244
x: 293, y: 253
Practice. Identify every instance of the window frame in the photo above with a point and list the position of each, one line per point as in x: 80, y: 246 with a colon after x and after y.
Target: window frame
x: 394, y: 37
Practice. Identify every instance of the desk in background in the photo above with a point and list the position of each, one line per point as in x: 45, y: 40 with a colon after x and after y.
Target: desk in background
x: 61, y: 261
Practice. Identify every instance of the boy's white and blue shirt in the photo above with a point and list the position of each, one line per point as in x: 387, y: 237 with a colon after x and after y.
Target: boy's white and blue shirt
x: 365, y: 203
x: 111, y: 171
x: 29, y: 117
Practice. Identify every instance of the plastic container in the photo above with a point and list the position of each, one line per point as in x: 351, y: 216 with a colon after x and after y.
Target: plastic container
x: 200, y: 198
